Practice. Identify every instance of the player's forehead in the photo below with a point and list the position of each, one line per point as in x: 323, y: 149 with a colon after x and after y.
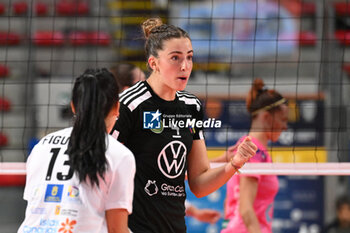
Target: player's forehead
x: 181, y: 45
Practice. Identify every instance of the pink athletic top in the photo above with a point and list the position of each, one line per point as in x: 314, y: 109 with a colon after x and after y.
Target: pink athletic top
x: 263, y: 204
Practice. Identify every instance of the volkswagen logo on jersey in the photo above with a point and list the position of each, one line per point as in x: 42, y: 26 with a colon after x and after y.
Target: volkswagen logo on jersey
x: 172, y: 159
x: 151, y: 120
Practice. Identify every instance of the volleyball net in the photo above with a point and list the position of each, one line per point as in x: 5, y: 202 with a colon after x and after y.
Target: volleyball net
x: 297, y: 47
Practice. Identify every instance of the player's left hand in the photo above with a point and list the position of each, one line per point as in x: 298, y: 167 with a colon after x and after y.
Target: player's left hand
x: 208, y: 215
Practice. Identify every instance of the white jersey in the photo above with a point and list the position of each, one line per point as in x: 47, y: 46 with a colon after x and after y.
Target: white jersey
x: 58, y: 202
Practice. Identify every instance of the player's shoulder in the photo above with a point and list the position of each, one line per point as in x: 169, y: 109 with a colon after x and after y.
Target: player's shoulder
x: 137, y: 87
x: 135, y: 95
x: 186, y: 94
x: 189, y: 99
x: 116, y: 147
x: 260, y: 157
x: 58, y: 138
x: 119, y: 155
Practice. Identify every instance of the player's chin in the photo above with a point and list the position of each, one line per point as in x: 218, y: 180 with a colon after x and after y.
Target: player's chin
x: 183, y: 81
x: 181, y: 86
x: 275, y: 137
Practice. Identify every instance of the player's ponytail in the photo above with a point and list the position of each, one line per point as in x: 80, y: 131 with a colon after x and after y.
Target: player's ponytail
x: 256, y: 88
x: 260, y: 98
x: 156, y: 33
x: 94, y: 94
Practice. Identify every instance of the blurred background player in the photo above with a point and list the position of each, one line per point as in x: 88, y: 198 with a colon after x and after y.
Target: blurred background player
x: 249, y: 200
x: 80, y: 179
x: 127, y: 75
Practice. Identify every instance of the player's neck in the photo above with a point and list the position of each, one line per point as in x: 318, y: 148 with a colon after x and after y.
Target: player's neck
x: 111, y: 118
x: 162, y: 90
x: 260, y: 136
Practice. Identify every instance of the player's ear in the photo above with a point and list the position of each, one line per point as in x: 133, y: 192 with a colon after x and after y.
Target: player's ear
x: 152, y: 62
x: 116, y: 109
x: 267, y: 118
x: 72, y: 107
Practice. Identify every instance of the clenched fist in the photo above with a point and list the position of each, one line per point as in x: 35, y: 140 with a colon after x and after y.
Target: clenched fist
x: 245, y: 150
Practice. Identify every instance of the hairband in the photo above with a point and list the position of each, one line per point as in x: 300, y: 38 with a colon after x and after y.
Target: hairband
x: 268, y: 107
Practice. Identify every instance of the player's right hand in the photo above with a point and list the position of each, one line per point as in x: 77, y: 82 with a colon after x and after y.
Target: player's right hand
x: 246, y: 149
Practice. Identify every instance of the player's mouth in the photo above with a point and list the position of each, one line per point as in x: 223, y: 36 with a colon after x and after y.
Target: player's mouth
x: 183, y: 78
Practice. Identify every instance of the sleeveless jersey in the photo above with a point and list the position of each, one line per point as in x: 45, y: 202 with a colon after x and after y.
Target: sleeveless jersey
x: 58, y: 202
x: 160, y: 135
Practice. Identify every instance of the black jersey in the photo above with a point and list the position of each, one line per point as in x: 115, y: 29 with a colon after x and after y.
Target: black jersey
x: 160, y: 135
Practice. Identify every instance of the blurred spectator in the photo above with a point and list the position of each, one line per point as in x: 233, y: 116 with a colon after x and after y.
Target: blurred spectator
x: 127, y: 74
x: 342, y: 222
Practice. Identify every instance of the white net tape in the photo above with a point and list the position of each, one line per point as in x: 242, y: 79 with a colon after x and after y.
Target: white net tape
x: 294, y: 168
x: 312, y: 169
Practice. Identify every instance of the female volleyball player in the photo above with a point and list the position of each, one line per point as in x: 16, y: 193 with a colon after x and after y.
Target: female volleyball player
x: 249, y: 201
x: 80, y: 179
x: 127, y: 75
x: 161, y: 125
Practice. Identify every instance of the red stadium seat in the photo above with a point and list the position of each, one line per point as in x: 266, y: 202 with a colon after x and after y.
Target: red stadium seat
x: 8, y: 38
x: 2, y: 8
x: 4, y: 71
x: 71, y: 8
x: 346, y: 68
x: 4, y: 104
x: 3, y: 140
x: 308, y: 8
x: 48, y: 38
x: 99, y: 38
x: 307, y: 38
x: 79, y: 38
x: 41, y: 9
x: 20, y: 8
x: 343, y: 36
x: 342, y: 8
